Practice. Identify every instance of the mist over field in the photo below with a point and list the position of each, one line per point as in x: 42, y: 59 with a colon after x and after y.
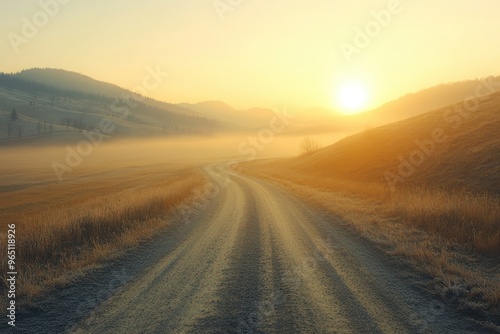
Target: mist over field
x: 84, y: 156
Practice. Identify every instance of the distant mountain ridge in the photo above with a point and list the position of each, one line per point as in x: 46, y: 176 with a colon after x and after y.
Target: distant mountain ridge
x: 322, y: 120
x: 216, y: 110
x: 71, y: 103
x: 63, y: 79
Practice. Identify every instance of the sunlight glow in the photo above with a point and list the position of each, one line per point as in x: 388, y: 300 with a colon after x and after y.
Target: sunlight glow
x: 352, y: 97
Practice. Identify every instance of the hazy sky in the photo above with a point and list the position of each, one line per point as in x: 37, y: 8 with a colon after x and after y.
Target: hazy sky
x: 261, y: 52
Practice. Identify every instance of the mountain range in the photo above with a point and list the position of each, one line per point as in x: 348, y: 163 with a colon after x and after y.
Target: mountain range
x: 61, y: 97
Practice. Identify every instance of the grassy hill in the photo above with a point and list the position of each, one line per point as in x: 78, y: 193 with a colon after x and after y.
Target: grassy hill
x: 450, y: 148
x: 64, y: 111
x: 62, y: 79
x: 428, y: 99
x: 67, y: 80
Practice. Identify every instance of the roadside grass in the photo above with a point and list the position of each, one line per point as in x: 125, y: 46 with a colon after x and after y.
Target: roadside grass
x: 53, y: 244
x: 463, y: 217
x: 446, y: 235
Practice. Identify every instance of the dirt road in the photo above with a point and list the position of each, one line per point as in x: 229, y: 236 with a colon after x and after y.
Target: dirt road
x: 252, y: 259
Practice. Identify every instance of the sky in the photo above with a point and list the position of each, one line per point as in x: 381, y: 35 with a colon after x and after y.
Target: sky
x: 248, y: 53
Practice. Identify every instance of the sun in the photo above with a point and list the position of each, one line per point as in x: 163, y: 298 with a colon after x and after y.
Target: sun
x: 352, y: 97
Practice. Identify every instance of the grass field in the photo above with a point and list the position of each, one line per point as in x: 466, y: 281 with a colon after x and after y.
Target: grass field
x: 64, y: 228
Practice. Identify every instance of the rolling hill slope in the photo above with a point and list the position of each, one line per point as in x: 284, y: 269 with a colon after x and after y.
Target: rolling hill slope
x: 456, y: 147
x: 66, y: 109
x: 429, y: 99
x: 326, y: 120
x: 217, y: 111
x: 67, y: 80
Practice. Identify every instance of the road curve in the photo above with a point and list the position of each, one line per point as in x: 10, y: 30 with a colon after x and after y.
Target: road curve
x: 252, y: 259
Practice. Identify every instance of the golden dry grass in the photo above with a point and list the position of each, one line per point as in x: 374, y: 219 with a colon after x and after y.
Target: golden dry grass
x: 65, y: 228
x: 466, y: 218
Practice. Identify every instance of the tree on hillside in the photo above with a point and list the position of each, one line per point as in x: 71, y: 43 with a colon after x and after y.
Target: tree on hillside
x: 10, y: 128
x: 35, y: 96
x: 309, y: 145
x: 52, y: 98
x: 13, y: 115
